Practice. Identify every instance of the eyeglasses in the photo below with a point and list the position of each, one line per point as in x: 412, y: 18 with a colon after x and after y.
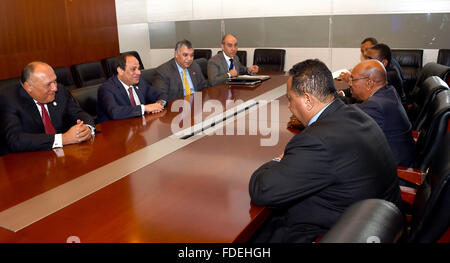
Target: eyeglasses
x: 352, y: 79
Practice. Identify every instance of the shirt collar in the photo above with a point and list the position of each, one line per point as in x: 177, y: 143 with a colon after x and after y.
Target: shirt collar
x: 227, y: 58
x: 315, y: 117
x: 180, y: 69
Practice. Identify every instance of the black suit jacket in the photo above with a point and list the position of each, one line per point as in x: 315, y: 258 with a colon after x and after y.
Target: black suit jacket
x: 323, y: 171
x: 168, y: 81
x: 113, y: 102
x: 385, y: 108
x: 21, y: 122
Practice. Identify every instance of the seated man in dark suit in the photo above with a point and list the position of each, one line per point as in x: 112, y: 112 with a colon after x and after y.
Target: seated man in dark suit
x: 341, y: 157
x: 381, y: 102
x: 180, y: 76
x: 126, y: 94
x: 39, y: 115
x: 382, y: 53
x: 226, y: 64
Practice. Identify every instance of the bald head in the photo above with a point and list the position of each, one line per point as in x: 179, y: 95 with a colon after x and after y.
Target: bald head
x: 39, y: 81
x: 367, y: 77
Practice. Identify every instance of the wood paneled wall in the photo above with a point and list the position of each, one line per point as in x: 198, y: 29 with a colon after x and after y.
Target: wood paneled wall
x: 59, y: 32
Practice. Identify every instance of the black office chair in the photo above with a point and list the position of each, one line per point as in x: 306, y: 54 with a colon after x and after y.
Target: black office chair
x: 136, y: 54
x: 110, y: 66
x: 64, y: 77
x: 242, y: 55
x: 422, y: 99
x: 202, y: 53
x: 203, y: 63
x: 411, y: 62
x: 430, y: 210
x: 88, y: 74
x: 433, y: 130
x: 148, y: 74
x: 444, y: 57
x: 367, y: 221
x: 9, y: 83
x: 87, y: 99
x: 431, y: 69
x: 269, y: 59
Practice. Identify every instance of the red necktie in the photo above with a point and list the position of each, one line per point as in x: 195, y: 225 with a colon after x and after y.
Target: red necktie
x: 46, y: 120
x: 130, y: 90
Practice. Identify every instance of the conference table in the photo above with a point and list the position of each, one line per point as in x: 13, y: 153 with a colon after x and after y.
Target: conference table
x: 177, y: 176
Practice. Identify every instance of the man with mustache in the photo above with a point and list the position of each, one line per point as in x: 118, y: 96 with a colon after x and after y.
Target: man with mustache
x: 126, y: 94
x: 181, y: 75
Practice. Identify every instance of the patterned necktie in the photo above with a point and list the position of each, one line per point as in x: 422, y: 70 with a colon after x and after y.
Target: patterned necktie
x: 130, y: 90
x: 187, y: 89
x: 46, y: 120
x: 231, y: 64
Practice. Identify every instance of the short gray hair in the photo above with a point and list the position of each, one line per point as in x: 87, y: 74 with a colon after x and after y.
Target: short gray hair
x: 183, y: 42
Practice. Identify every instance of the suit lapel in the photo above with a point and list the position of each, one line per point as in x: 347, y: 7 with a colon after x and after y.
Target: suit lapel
x: 223, y: 62
x: 138, y: 89
x: 31, y: 108
x: 121, y: 90
x: 176, y: 76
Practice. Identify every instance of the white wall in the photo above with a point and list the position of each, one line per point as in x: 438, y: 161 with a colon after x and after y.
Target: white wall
x: 133, y: 16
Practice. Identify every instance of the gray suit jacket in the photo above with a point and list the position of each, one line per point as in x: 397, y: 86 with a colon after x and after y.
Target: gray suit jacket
x: 168, y: 81
x: 218, y: 69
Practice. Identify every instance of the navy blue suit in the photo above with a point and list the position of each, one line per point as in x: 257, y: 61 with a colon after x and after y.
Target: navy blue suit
x: 21, y: 123
x: 113, y: 102
x: 385, y: 108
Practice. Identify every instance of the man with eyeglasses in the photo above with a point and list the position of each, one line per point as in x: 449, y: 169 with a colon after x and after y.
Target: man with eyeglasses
x: 226, y: 64
x: 380, y: 101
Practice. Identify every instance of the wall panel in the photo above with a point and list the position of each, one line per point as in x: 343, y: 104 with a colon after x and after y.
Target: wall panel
x: 58, y: 32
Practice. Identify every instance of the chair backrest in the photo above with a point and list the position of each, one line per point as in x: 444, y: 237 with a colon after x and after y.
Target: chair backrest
x: 148, y: 74
x: 88, y: 74
x: 367, y: 221
x: 9, y: 83
x: 64, y: 77
x: 444, y: 57
x: 423, y: 96
x: 87, y: 99
x: 431, y: 69
x: 202, y: 53
x: 411, y: 62
x: 394, y: 79
x: 110, y: 66
x: 242, y: 54
x: 433, y: 130
x: 136, y: 54
x: 431, y: 211
x: 269, y: 59
x: 203, y: 63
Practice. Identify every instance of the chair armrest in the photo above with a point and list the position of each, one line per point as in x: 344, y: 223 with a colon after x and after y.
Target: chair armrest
x: 408, y: 194
x: 410, y: 174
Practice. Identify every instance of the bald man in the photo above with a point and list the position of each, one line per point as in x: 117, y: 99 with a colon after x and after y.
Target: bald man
x: 40, y: 115
x: 226, y: 64
x: 381, y: 102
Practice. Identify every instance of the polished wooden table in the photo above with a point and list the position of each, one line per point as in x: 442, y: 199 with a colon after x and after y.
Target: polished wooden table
x: 198, y: 193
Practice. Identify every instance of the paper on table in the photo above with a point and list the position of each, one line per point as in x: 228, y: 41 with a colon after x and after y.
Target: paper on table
x: 261, y: 77
x: 337, y: 73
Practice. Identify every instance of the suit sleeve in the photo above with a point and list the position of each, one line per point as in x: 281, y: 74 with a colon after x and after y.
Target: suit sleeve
x: 152, y: 94
x: 215, y: 76
x: 303, y: 171
x: 16, y: 139
x: 107, y: 101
